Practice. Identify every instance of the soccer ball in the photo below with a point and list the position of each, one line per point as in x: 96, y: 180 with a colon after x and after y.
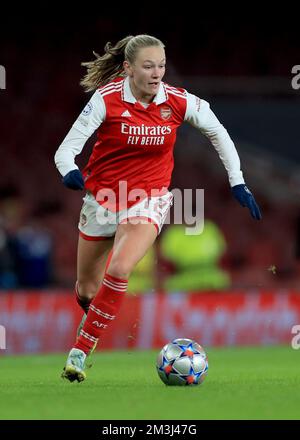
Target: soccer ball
x: 182, y: 362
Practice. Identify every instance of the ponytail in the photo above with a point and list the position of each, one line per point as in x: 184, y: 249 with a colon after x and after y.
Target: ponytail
x: 109, y: 66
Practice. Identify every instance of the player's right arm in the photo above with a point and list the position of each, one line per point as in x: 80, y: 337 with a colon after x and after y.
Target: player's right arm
x: 87, y: 122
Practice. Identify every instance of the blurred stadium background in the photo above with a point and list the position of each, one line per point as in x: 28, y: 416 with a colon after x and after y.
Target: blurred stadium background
x: 238, y: 282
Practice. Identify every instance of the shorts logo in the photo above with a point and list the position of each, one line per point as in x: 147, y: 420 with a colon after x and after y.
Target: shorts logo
x: 165, y: 112
x: 87, y: 109
x: 83, y: 220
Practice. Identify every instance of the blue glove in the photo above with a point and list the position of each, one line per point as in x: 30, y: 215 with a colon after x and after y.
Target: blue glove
x: 73, y: 180
x: 245, y: 197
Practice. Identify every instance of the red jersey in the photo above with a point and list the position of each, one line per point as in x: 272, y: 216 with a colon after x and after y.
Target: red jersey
x: 134, y: 144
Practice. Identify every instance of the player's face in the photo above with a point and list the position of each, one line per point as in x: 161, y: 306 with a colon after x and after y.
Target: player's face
x: 147, y: 71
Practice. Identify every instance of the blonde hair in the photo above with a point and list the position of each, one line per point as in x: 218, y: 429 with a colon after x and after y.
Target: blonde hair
x: 109, y: 66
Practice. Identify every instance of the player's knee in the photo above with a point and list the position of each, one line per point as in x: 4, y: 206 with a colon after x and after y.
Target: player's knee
x: 87, y: 290
x: 119, y: 268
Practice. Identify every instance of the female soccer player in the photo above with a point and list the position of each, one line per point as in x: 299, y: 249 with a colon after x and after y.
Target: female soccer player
x: 136, y: 116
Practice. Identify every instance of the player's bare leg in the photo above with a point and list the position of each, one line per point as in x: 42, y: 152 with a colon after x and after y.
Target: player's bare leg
x: 132, y: 241
x: 91, y: 263
x: 92, y: 258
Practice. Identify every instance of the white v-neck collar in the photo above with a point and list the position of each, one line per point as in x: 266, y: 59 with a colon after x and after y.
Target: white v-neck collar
x: 127, y: 95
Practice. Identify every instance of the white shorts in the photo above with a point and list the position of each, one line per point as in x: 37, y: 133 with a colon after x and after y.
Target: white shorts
x: 98, y: 223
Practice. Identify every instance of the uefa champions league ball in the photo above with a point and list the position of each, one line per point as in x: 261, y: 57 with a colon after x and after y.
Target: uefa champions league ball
x: 182, y: 362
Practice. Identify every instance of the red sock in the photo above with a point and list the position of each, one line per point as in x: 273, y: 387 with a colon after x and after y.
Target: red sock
x: 83, y: 303
x: 102, y: 311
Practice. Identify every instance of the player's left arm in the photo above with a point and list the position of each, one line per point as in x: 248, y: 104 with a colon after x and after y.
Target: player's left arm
x: 199, y: 115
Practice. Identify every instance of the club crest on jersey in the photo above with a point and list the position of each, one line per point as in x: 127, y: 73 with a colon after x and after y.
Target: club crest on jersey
x: 165, y: 112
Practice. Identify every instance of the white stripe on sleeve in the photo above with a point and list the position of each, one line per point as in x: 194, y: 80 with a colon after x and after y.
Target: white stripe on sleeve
x: 199, y: 115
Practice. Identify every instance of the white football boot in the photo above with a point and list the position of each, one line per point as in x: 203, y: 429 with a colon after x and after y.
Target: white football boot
x: 74, y: 369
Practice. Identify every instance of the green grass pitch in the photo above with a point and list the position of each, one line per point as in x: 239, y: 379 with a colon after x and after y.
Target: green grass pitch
x: 242, y: 383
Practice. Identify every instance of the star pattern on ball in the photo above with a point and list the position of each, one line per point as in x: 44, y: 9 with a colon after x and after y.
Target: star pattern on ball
x: 192, y: 377
x: 187, y: 350
x: 167, y: 366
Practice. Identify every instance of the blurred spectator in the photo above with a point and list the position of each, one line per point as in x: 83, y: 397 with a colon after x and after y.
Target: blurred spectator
x: 8, y: 278
x: 9, y: 215
x: 33, y: 248
x: 25, y: 245
x: 196, y: 258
